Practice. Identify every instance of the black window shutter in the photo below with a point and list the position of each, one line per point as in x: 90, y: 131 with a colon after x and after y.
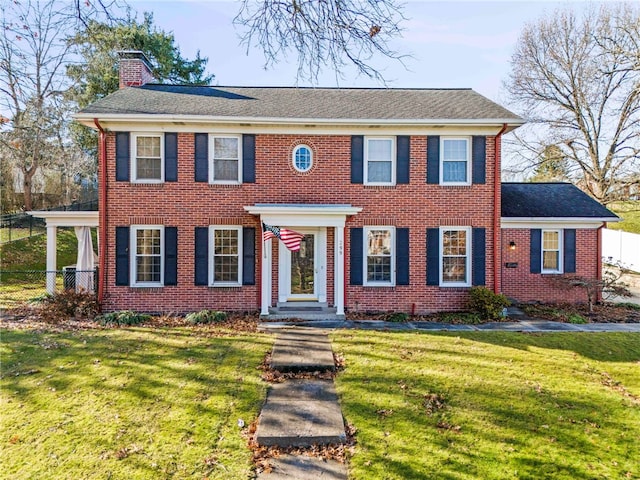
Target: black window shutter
x: 201, y: 273
x: 535, y: 251
x: 433, y: 256
x: 402, y: 256
x: 170, y: 157
x: 122, y: 255
x: 249, y: 159
x: 479, y: 159
x: 356, y: 265
x: 248, y: 256
x: 201, y: 157
x: 479, y: 257
x: 569, y: 250
x: 357, y: 160
x: 433, y: 159
x: 403, y: 147
x: 123, y: 155
x: 170, y: 255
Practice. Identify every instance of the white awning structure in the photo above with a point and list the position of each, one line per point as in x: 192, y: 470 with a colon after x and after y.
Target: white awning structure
x: 304, y: 215
x: 83, y: 221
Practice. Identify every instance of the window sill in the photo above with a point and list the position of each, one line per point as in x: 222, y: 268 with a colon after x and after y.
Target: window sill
x: 225, y: 288
x: 375, y: 186
x: 146, y: 288
x: 147, y: 184
x: 224, y: 185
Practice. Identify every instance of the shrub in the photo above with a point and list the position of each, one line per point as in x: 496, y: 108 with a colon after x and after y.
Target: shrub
x: 206, y: 316
x: 68, y: 304
x: 577, y: 319
x: 123, y: 318
x: 487, y: 304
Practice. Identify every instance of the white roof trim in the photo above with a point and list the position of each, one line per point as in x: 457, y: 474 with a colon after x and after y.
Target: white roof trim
x: 87, y: 119
x: 300, y: 215
x: 555, y: 222
x: 67, y: 218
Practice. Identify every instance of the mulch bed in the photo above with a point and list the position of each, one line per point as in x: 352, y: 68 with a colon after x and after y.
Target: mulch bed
x: 602, y: 313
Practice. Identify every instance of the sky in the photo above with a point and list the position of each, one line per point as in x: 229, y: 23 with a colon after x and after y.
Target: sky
x: 452, y: 44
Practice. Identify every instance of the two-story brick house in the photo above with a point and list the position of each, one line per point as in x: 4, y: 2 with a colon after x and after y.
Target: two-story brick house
x: 397, y: 192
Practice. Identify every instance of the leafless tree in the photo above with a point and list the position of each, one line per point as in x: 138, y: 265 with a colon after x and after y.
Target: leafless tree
x: 333, y: 33
x: 34, y: 52
x: 577, y: 78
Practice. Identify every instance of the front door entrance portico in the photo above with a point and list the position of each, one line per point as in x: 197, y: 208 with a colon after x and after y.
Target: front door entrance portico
x: 303, y: 274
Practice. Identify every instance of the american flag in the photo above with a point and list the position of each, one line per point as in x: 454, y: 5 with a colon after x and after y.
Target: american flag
x: 290, y: 238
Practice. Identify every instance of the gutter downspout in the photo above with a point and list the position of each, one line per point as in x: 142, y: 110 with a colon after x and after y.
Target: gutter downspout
x: 497, y: 243
x: 599, y: 261
x: 102, y: 207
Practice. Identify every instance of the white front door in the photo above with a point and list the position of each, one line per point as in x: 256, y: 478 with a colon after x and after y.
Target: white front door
x: 303, y: 274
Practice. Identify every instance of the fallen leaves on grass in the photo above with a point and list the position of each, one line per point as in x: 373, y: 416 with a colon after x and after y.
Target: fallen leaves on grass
x: 617, y: 386
x: 124, y: 452
x: 433, y: 402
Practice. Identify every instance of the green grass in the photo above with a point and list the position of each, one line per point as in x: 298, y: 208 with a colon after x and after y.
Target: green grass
x: 13, y: 234
x: 133, y: 403
x: 629, y: 212
x: 491, y: 405
x: 31, y: 253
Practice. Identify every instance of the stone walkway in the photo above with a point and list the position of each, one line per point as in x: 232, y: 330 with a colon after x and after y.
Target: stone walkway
x: 517, y: 326
x: 302, y: 413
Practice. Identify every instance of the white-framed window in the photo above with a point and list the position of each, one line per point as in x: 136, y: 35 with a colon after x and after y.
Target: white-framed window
x: 147, y: 262
x: 147, y: 157
x: 551, y: 251
x: 226, y: 155
x: 379, y: 254
x: 225, y: 255
x: 379, y: 161
x: 455, y: 256
x: 302, y: 158
x: 455, y: 161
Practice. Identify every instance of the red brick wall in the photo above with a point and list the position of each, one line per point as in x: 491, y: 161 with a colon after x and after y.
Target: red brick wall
x: 518, y: 283
x: 187, y: 204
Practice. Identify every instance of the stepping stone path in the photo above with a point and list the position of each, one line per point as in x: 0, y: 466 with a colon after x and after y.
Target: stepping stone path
x: 302, y: 412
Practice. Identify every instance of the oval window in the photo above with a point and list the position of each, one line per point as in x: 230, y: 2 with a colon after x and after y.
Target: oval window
x: 302, y: 158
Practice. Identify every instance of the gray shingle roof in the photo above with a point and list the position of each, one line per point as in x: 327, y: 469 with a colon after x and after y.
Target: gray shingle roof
x: 302, y: 103
x: 564, y: 200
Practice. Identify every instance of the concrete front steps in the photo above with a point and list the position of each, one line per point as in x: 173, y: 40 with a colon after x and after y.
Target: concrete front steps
x: 302, y: 412
x: 302, y: 311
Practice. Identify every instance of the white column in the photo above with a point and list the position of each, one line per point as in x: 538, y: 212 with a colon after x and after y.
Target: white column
x: 265, y: 265
x: 338, y: 277
x: 51, y: 258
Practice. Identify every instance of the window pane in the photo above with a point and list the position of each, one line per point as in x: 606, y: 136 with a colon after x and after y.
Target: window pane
x: 148, y: 169
x: 550, y: 260
x: 379, y: 242
x: 454, y: 242
x: 303, y: 159
x: 225, y: 170
x: 225, y: 269
x: 225, y: 148
x: 454, y: 150
x: 379, y: 269
x: 226, y: 242
x: 379, y: 172
x: 148, y: 147
x: 148, y: 242
x: 454, y: 269
x: 550, y: 241
x: 148, y: 269
x: 454, y: 171
x: 379, y: 149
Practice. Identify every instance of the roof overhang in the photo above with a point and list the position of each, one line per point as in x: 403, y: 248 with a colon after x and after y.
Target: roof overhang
x: 107, y: 119
x: 303, y: 215
x: 555, y: 222
x: 67, y: 218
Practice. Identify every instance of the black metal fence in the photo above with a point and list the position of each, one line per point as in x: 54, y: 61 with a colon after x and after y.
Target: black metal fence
x: 17, y: 287
x: 15, y: 226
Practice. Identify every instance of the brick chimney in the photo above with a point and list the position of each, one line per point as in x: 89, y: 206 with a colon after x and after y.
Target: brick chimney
x: 135, y: 69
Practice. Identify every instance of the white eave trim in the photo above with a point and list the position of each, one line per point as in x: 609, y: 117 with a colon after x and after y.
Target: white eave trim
x: 303, y: 215
x: 67, y: 218
x: 87, y: 119
x: 555, y: 222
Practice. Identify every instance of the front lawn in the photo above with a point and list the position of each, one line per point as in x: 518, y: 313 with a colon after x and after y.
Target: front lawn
x: 139, y: 403
x: 491, y: 405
